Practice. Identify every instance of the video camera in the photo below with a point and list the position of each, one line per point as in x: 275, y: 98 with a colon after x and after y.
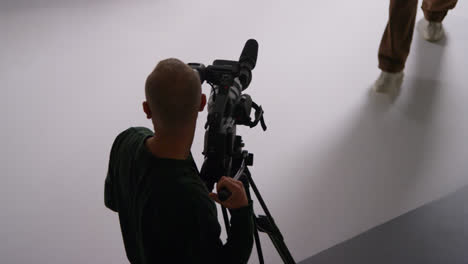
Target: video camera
x: 223, y: 149
x: 227, y: 108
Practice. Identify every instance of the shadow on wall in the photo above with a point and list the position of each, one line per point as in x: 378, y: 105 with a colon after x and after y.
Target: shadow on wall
x: 367, y: 176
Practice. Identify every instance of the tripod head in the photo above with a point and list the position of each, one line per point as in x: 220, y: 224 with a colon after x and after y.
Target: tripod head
x: 227, y: 108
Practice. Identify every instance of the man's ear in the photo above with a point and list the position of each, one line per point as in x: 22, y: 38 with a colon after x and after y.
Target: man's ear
x: 147, y: 110
x: 203, y: 102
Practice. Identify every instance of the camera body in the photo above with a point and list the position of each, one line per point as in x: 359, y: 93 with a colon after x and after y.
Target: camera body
x: 227, y: 108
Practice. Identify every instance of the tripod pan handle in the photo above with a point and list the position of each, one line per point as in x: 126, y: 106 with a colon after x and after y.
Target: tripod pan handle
x: 224, y: 194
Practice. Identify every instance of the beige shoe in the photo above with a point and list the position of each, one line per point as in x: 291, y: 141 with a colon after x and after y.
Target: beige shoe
x: 388, y: 82
x: 432, y: 31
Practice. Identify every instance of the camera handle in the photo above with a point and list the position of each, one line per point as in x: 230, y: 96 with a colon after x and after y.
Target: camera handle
x: 224, y: 193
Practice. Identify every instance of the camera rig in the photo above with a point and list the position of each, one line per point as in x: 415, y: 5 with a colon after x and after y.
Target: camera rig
x: 223, y: 148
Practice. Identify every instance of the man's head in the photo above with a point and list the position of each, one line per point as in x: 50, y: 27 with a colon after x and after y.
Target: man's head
x: 173, y: 96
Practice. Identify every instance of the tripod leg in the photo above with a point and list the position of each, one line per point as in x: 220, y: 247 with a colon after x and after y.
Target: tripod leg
x: 258, y: 246
x: 226, y: 219
x: 267, y: 225
x: 256, y: 236
x: 275, y: 235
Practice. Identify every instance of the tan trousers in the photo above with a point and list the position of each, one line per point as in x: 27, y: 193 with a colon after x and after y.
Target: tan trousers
x: 396, y: 40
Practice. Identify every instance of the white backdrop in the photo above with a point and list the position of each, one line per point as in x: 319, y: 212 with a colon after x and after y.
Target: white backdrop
x: 333, y: 163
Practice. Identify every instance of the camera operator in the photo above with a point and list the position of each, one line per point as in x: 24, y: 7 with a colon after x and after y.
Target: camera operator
x: 166, y: 213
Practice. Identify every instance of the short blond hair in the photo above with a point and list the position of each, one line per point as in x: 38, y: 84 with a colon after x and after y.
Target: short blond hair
x: 173, y: 93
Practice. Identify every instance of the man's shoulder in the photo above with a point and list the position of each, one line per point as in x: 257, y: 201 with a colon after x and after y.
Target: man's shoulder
x: 131, y: 134
x: 134, y: 131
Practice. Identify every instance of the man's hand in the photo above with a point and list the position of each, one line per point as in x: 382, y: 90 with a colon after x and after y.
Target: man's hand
x: 238, y: 197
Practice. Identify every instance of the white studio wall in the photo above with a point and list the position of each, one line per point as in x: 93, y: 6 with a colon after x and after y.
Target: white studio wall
x: 333, y: 163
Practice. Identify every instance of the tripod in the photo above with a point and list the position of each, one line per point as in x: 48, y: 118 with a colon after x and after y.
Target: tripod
x: 263, y: 223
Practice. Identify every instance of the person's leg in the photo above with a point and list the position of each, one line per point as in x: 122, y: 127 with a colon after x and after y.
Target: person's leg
x: 436, y: 10
x: 395, y: 45
x: 396, y: 40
